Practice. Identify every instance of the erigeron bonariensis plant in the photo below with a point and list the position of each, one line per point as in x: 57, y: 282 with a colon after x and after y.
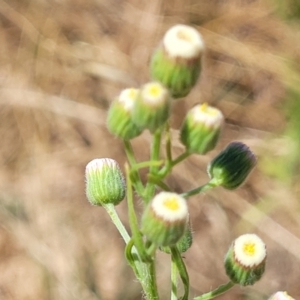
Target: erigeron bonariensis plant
x: 164, y: 225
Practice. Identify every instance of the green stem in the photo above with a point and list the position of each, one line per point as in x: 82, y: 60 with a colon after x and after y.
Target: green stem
x: 217, y: 292
x: 145, y: 266
x: 174, y: 280
x: 137, y: 238
x: 198, y: 190
x: 154, y: 156
x: 110, y: 208
x: 159, y: 183
x: 177, y: 259
x: 170, y: 164
x: 137, y: 182
x: 168, y: 143
x: 152, y: 286
x: 146, y: 164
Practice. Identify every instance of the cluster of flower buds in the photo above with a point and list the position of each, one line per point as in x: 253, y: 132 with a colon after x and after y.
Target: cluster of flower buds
x: 175, y: 68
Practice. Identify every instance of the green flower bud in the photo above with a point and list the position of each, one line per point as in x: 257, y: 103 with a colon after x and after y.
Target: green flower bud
x: 152, y: 107
x: 119, y: 121
x: 201, y: 128
x: 281, y: 296
x: 105, y: 182
x: 184, y: 243
x: 165, y: 219
x: 245, y: 260
x: 177, y: 61
x: 231, y: 166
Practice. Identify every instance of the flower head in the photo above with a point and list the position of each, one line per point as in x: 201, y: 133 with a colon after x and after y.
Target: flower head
x: 119, y: 120
x: 152, y: 107
x: 177, y: 61
x: 201, y: 128
x: 165, y: 219
x: 245, y: 259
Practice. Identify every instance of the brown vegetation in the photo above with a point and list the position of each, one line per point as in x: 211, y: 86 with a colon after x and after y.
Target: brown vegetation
x: 61, y: 64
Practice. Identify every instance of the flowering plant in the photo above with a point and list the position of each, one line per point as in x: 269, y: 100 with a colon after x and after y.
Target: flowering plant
x: 164, y: 225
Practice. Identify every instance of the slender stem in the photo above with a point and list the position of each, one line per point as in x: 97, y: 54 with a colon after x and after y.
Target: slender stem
x: 198, y: 190
x: 110, y: 208
x: 154, y: 156
x: 137, y: 238
x: 170, y: 164
x: 217, y: 292
x: 174, y: 280
x: 137, y: 182
x: 176, y: 257
x: 145, y: 266
x: 159, y: 183
x: 146, y: 164
x: 152, y: 286
x: 180, y: 158
x: 168, y: 143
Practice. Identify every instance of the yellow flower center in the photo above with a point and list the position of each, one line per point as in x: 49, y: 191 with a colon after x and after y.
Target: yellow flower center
x: 183, y: 35
x: 154, y: 90
x: 249, y: 249
x: 206, y: 109
x: 132, y: 94
x: 171, y: 204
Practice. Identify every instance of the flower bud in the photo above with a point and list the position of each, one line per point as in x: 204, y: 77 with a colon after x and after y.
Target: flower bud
x: 119, y: 119
x: 165, y: 219
x: 152, y: 107
x: 184, y: 243
x: 105, y: 182
x: 281, y: 296
x: 245, y: 260
x: 177, y: 61
x: 231, y: 166
x: 201, y: 128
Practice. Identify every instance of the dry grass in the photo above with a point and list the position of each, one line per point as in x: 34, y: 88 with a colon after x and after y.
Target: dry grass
x: 62, y: 62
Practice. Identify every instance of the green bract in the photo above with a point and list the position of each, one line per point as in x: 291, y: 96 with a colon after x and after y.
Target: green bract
x: 119, y: 121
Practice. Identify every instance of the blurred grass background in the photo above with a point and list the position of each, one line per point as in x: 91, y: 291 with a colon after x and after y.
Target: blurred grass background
x: 62, y: 63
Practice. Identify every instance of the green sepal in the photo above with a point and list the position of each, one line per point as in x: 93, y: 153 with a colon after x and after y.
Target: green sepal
x: 179, y: 75
x: 240, y: 274
x: 120, y: 123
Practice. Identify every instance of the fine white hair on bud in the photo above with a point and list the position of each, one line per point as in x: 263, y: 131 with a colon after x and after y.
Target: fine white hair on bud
x: 170, y: 207
x: 128, y: 97
x: 165, y: 219
x: 105, y: 183
x: 183, y: 41
x: 207, y: 115
x: 249, y: 250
